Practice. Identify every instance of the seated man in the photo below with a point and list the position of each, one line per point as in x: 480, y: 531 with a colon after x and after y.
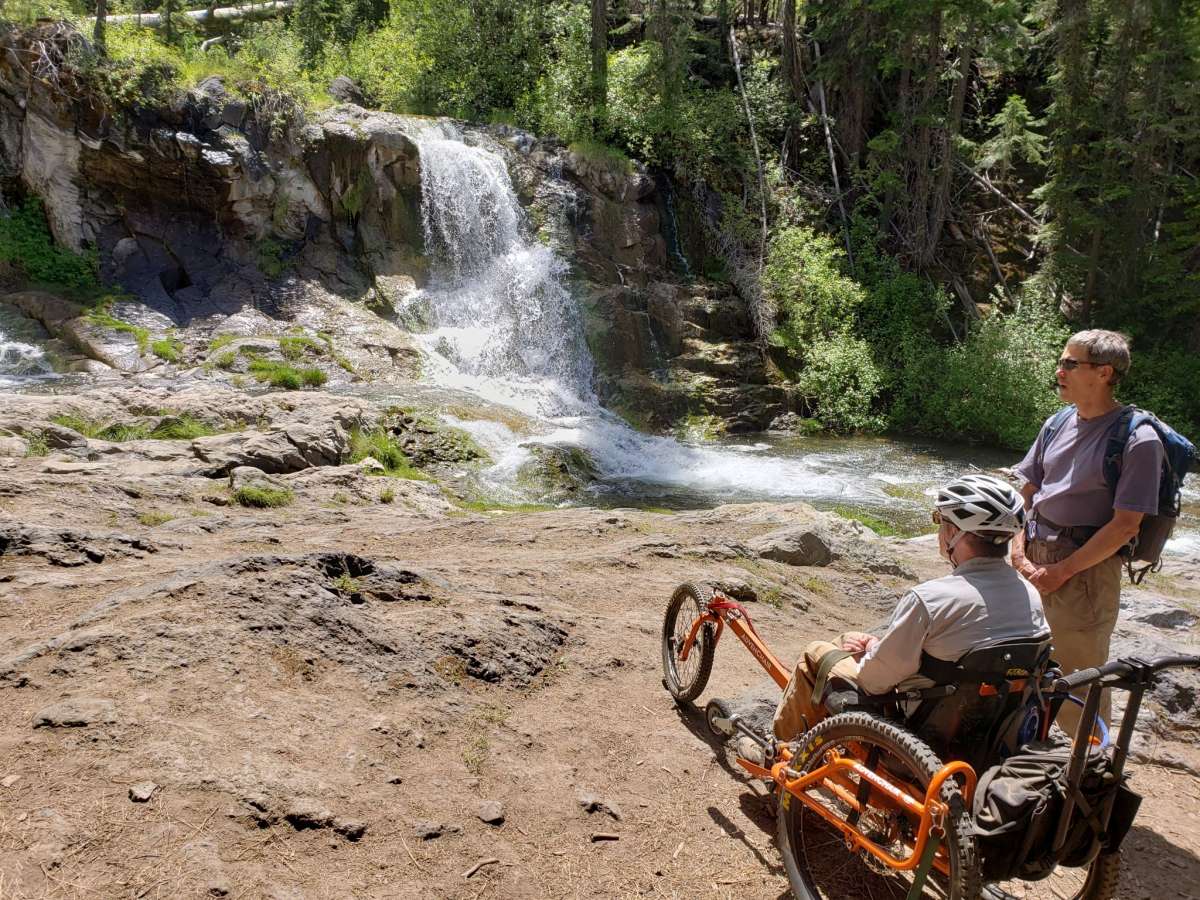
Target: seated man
x: 984, y: 600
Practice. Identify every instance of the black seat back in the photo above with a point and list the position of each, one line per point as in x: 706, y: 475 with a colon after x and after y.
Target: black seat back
x: 995, y: 707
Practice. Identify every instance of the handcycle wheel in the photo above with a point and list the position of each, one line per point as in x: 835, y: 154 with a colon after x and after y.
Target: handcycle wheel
x: 1095, y: 881
x: 818, y: 863
x: 686, y: 678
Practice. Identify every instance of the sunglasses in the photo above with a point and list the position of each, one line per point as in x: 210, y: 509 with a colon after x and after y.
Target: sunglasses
x: 1068, y: 364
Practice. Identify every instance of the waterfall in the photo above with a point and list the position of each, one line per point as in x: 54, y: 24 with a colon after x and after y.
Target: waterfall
x: 503, y: 325
x: 20, y: 358
x: 502, y: 319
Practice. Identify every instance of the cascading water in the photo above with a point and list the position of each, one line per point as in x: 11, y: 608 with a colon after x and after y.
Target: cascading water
x: 503, y: 322
x: 504, y: 325
x: 21, y: 359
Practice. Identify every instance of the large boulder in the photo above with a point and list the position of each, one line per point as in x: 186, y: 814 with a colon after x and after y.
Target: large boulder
x: 798, y: 546
x: 275, y: 452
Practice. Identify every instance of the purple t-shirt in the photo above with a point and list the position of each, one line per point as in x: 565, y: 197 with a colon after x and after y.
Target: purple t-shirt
x: 1069, y: 472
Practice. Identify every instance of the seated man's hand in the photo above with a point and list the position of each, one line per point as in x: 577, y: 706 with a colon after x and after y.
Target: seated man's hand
x: 857, y: 643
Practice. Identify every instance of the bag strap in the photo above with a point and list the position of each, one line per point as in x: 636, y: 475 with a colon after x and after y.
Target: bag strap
x: 830, y: 659
x: 1118, y: 437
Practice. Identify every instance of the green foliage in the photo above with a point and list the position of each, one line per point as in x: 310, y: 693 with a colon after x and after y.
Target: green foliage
x: 154, y: 517
x: 805, y: 282
x: 996, y: 386
x: 171, y: 428
x: 387, y: 495
x: 876, y: 524
x: 269, y: 255
x: 380, y: 445
x: 840, y: 384
x: 261, y: 497
x: 168, y: 348
x: 560, y: 102
x: 1014, y: 139
x: 1163, y: 380
x: 282, y: 375
x: 295, y: 346
x: 36, y: 444
x: 25, y: 240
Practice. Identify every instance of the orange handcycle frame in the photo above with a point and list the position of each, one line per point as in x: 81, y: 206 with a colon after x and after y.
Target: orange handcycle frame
x: 833, y: 775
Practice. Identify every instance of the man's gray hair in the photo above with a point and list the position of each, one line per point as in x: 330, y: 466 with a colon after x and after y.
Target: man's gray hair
x: 1108, y: 348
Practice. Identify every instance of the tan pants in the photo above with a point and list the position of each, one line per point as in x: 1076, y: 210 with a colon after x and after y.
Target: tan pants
x: 797, y: 705
x: 1082, y: 615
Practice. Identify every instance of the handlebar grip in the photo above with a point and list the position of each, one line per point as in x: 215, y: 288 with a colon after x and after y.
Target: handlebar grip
x: 1076, y: 679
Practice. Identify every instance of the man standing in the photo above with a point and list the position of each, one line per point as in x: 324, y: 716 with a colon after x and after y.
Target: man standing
x: 1077, y: 523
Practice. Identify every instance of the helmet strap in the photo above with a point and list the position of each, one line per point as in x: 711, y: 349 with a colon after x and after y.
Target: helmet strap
x: 952, y: 543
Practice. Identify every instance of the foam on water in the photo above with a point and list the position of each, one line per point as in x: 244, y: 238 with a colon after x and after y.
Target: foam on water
x: 21, y: 359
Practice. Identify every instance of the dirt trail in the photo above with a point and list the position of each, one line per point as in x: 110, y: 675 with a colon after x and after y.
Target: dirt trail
x: 313, y: 692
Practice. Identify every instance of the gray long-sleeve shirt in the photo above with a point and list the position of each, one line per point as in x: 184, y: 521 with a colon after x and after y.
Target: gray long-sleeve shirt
x: 983, y: 601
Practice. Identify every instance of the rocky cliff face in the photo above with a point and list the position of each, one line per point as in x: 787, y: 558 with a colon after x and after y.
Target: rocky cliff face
x: 216, y: 204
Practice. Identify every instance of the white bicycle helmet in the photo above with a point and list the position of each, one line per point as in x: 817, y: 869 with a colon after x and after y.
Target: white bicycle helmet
x: 982, y: 505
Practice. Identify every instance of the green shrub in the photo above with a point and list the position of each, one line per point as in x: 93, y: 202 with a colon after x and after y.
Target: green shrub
x: 313, y: 377
x: 804, y: 279
x: 36, y: 444
x: 1164, y: 381
x: 263, y: 497
x: 226, y: 360
x: 168, y: 348
x: 278, y: 374
x: 387, y: 495
x: 996, y: 386
x: 182, y: 428
x: 840, y: 384
x: 295, y: 346
x: 379, y: 445
x: 25, y: 240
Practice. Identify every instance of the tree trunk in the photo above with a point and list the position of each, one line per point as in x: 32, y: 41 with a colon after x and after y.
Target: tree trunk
x: 98, y: 31
x: 941, y: 196
x: 209, y: 17
x: 793, y: 69
x: 599, y: 67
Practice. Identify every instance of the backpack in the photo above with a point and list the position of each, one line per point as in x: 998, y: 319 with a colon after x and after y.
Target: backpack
x: 1017, y: 805
x: 1178, y: 456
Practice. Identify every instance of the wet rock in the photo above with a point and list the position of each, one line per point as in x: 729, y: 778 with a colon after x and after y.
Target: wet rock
x: 490, y: 812
x: 794, y: 546
x: 143, y: 791
x: 592, y: 803
x: 77, y: 713
x: 428, y: 442
x: 557, y: 472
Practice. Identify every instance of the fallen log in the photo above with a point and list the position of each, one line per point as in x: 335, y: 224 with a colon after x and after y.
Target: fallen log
x: 226, y: 15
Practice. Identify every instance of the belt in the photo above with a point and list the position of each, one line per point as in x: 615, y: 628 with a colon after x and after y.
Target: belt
x: 1077, y: 534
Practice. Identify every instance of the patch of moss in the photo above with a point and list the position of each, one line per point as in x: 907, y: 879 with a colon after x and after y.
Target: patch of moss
x: 263, y: 497
x: 226, y: 360
x: 700, y: 427
x: 499, y: 506
x: 153, y: 517
x: 184, y: 428
x: 104, y: 319
x: 221, y: 340
x: 876, y: 524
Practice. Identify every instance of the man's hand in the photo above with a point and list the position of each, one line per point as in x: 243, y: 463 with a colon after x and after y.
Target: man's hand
x: 1025, y: 567
x: 1049, y: 578
x: 857, y: 643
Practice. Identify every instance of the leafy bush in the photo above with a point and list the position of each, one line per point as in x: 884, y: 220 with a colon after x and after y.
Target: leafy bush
x: 996, y: 386
x: 840, y: 384
x: 804, y: 280
x: 25, y: 240
x: 561, y: 99
x: 1164, y: 382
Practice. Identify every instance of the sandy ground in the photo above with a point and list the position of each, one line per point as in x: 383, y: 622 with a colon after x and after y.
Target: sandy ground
x: 278, y: 717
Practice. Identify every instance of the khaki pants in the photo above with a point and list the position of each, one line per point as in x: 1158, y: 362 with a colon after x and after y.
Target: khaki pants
x: 1082, y: 615
x: 797, y: 706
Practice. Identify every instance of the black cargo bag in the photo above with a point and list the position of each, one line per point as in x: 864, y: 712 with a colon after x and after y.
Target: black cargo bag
x: 1018, y: 803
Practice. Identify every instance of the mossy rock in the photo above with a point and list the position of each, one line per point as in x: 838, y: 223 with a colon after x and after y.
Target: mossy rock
x: 557, y: 473
x: 429, y: 442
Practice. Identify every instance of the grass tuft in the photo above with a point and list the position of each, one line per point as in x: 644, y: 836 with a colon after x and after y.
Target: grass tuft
x: 380, y: 445
x: 263, y: 497
x: 154, y: 517
x: 168, y: 349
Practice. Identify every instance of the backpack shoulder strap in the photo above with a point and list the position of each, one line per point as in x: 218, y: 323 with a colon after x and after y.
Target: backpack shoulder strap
x: 1118, y: 436
x: 1057, y: 421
